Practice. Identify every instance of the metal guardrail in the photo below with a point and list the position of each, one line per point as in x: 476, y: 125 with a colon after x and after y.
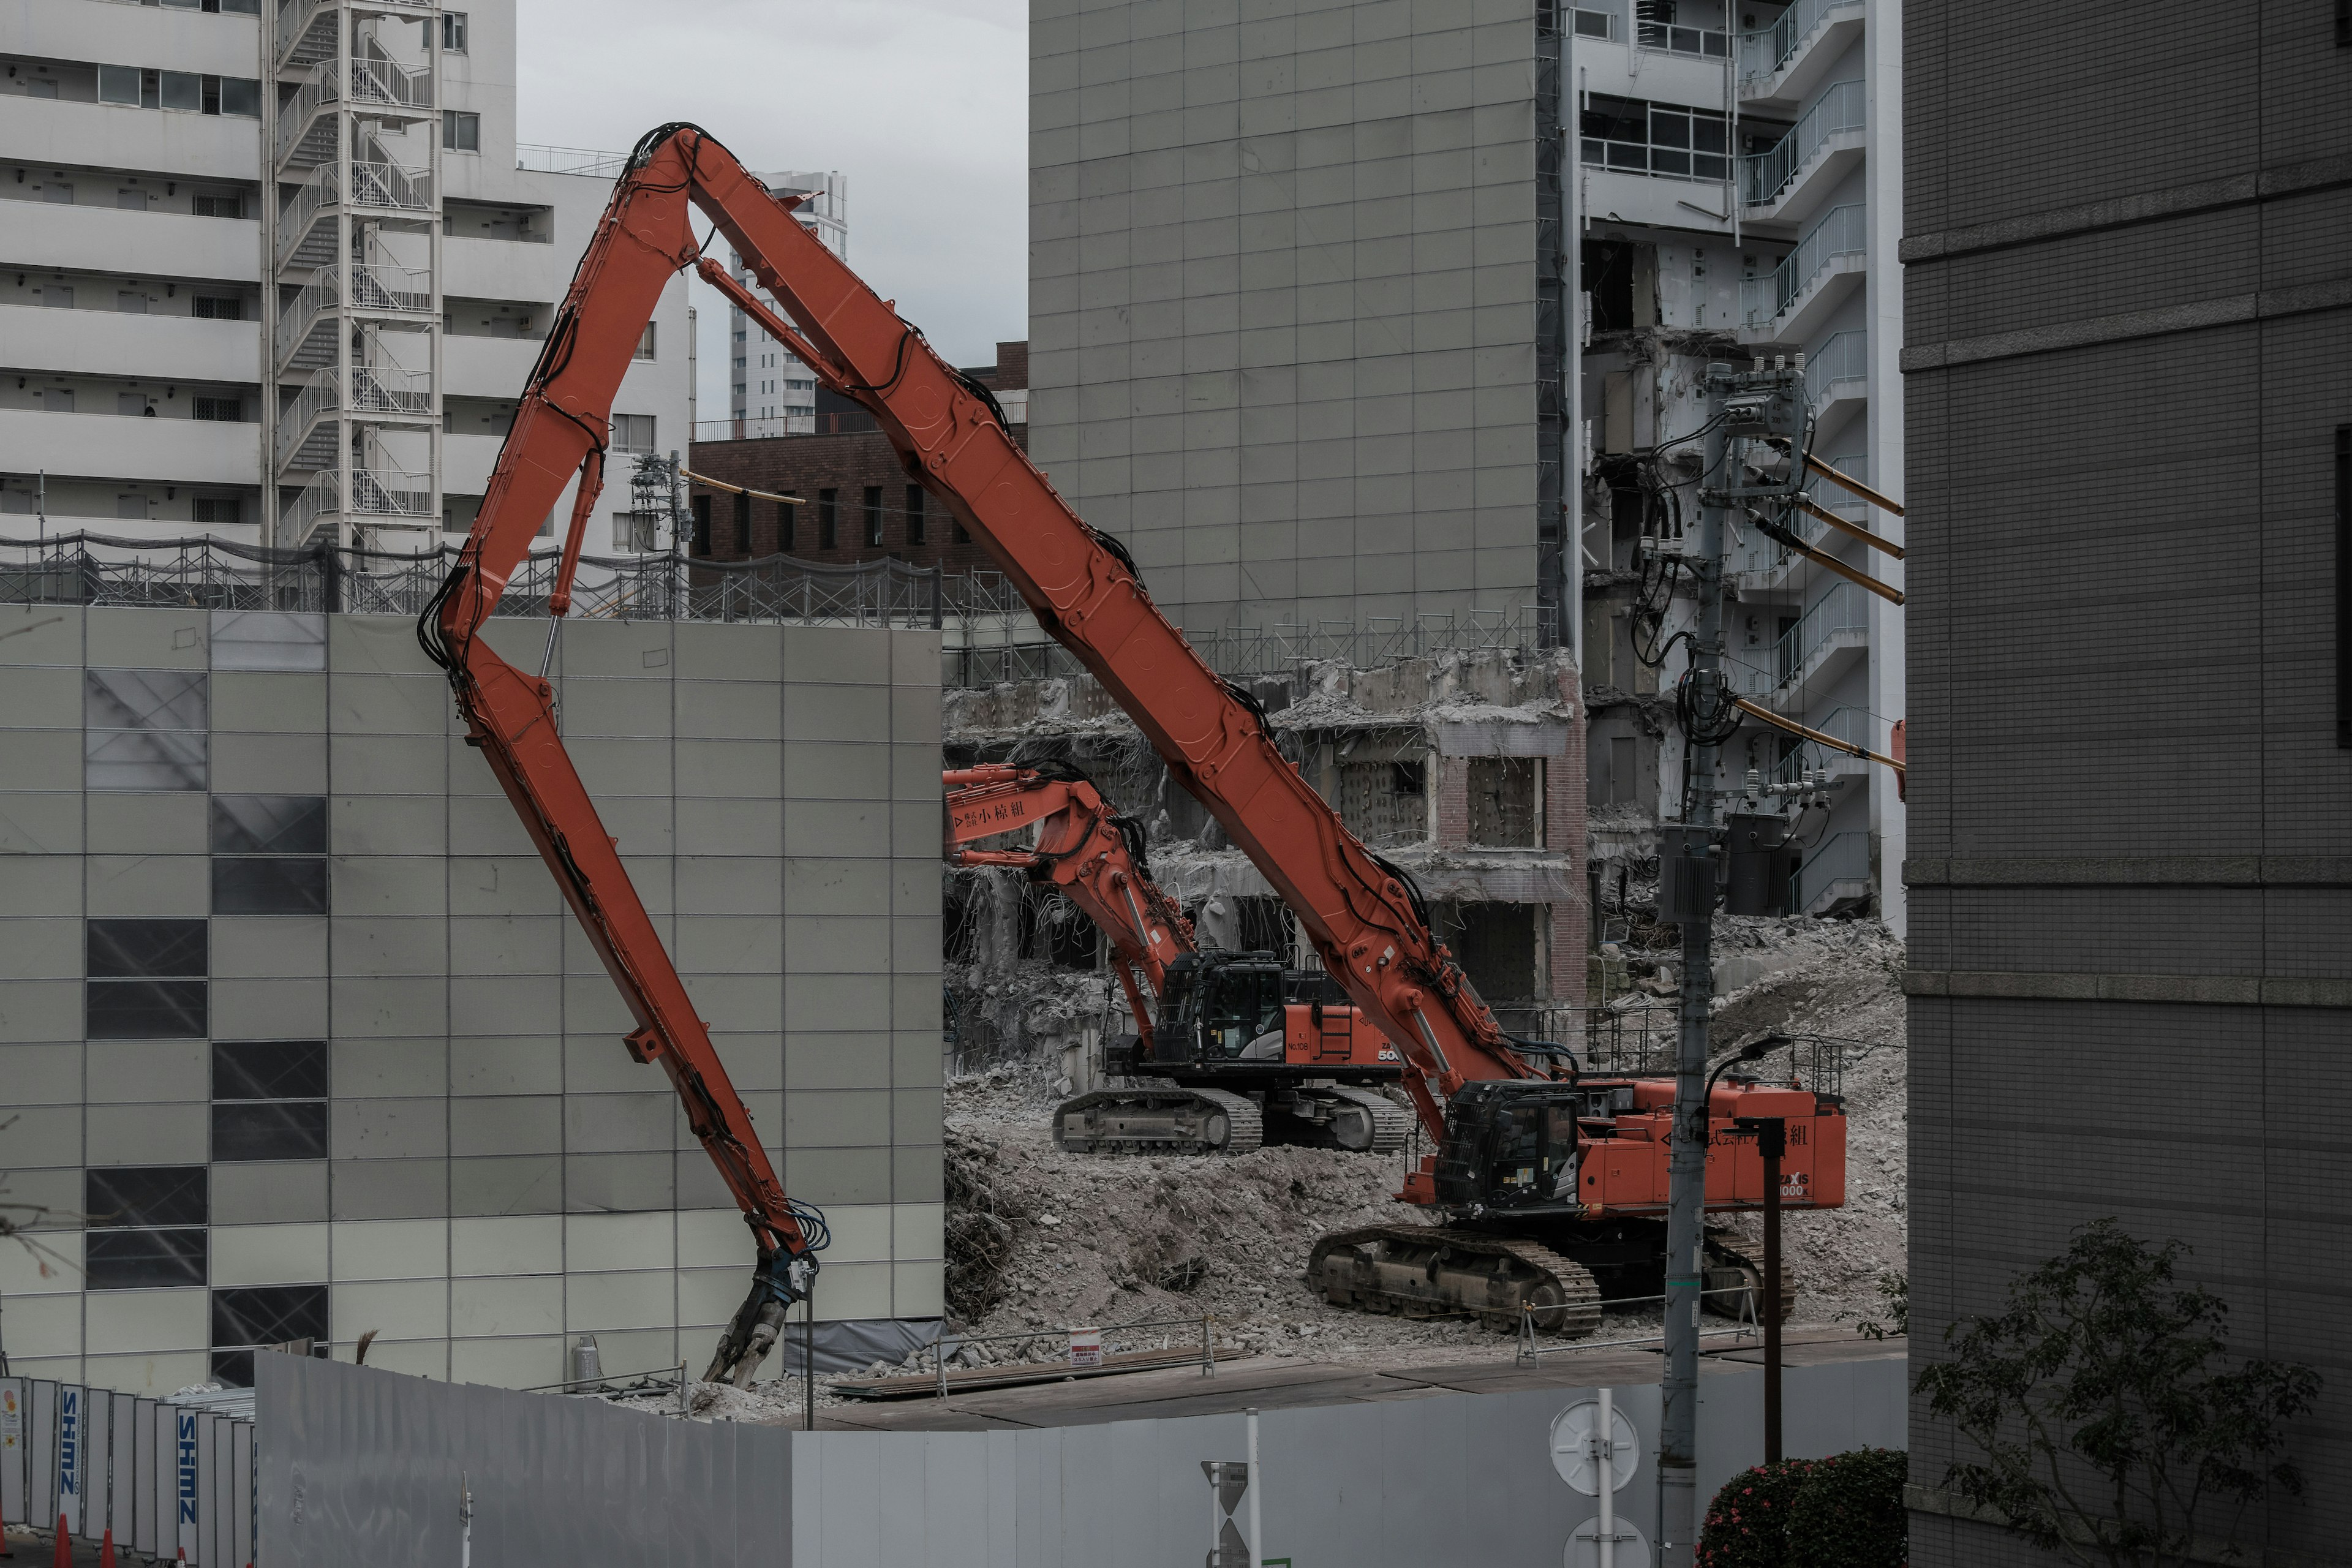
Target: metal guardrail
x: 540, y: 158
x: 1763, y: 53
x: 1744, y: 1326
x: 1843, y: 358
x: 1843, y: 231
x: 1764, y: 175
x: 1841, y: 612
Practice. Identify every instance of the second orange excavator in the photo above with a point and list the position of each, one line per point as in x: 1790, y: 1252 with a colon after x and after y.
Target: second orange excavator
x: 1241, y: 1051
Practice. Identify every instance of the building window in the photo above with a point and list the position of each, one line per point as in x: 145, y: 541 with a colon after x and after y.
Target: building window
x: 744, y: 523
x: 827, y: 519
x: 119, y: 84
x: 58, y: 296
x: 632, y: 530
x: 1655, y: 139
x: 234, y: 95
x: 229, y: 410
x: 269, y: 854
x: 219, y: 512
x: 701, y: 544
x: 144, y: 729
x: 217, y: 307
x: 788, y: 527
x: 219, y: 204
x: 633, y: 433
x: 914, y: 515
x: 270, y: 1099
x: 145, y: 980
x: 461, y: 132
x: 182, y: 90
x: 453, y: 31
x: 874, y: 517
x: 262, y: 1316
x: 146, y: 1226
x: 646, y: 342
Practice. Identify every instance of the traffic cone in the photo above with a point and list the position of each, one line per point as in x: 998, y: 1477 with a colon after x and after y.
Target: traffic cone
x: 64, y: 1558
x: 106, y: 1549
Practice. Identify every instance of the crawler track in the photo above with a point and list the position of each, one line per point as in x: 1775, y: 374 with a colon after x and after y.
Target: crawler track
x: 1159, y: 1119
x: 1422, y: 1271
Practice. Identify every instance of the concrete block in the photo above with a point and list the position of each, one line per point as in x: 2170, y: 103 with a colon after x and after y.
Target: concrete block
x: 47, y: 824
x: 509, y: 1244
x: 41, y: 633
x: 42, y: 1075
x: 269, y: 947
x: 619, y: 1182
x: 375, y: 645
x: 714, y: 885
x: 134, y: 1070
x: 368, y: 704
x: 504, y: 884
x: 147, y: 1134
x: 393, y: 885
x: 281, y: 1191
x: 506, y: 1187
x: 389, y: 1129
x: 42, y: 758
x: 380, y: 764
x: 729, y: 709
x: 610, y: 708
x: 388, y: 825
x: 390, y: 1189
x: 37, y: 1010
x: 506, y: 1065
x: 146, y: 638
x: 817, y: 770
x: 388, y: 1006
x: 746, y: 769
x: 148, y: 884
x: 837, y: 1001
x: 730, y: 653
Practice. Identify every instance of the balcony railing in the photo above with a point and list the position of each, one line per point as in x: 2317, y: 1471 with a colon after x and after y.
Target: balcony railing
x: 1842, y: 360
x: 545, y: 160
x: 1667, y: 38
x: 1764, y: 52
x: 1764, y: 175
x: 1844, y: 231
x: 1843, y: 611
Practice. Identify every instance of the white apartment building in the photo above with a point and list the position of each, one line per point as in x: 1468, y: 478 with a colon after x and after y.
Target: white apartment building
x: 1738, y: 193
x: 277, y: 272
x: 771, y: 392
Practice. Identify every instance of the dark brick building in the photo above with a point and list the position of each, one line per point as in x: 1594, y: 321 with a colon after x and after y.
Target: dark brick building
x: 854, y: 502
x: 2129, y: 321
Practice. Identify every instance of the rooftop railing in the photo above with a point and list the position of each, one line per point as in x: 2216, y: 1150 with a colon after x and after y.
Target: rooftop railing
x: 541, y: 158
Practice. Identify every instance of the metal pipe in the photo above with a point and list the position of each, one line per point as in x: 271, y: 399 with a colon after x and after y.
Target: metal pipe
x: 1830, y: 563
x: 1849, y: 483
x: 1875, y: 541
x: 808, y: 1367
x: 1772, y: 1139
x: 1607, y: 1456
x: 1848, y: 747
x: 1256, y: 1485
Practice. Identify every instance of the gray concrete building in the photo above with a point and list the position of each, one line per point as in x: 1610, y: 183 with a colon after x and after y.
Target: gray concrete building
x: 1296, y: 310
x: 2130, y: 864
x: 290, y: 1010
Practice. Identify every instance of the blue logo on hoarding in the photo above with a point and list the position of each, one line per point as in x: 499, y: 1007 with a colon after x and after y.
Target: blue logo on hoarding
x: 187, y: 1446
x: 69, y: 1441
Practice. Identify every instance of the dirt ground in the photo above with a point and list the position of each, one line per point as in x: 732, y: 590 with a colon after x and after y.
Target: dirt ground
x: 1038, y: 1239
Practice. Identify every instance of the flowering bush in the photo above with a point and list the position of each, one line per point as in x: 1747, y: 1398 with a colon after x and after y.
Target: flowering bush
x: 1746, y: 1525
x: 1844, y: 1512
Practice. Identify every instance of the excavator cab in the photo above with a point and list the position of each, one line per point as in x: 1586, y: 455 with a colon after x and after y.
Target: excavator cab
x: 1511, y: 1144
x: 1219, y: 1006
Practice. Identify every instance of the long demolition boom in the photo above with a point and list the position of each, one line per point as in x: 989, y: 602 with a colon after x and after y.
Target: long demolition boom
x: 1363, y: 914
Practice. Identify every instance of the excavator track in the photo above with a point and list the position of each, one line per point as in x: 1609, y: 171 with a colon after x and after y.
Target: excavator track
x: 1422, y: 1272
x: 1730, y: 1264
x: 1159, y: 1119
x: 1392, y: 1123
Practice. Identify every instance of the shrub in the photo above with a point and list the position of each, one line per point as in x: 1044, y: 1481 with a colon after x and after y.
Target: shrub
x: 1747, y: 1524
x: 1844, y: 1512
x: 1849, y: 1512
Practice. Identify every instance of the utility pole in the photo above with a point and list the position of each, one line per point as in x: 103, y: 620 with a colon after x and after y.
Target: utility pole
x: 1743, y: 409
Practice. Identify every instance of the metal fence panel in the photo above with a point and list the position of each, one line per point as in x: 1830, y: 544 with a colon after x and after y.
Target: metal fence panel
x: 241, y: 1493
x: 187, y: 1427
x: 222, y: 1486
x: 125, y: 1459
x: 12, y: 1450
x: 41, y: 1444
x: 152, y: 1433
x: 73, y: 1454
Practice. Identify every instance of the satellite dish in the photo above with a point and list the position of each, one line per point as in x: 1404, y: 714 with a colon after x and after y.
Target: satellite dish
x: 1631, y: 1548
x: 1576, y: 1447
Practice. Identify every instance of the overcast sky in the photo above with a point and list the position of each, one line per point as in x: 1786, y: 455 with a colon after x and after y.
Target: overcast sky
x: 923, y: 104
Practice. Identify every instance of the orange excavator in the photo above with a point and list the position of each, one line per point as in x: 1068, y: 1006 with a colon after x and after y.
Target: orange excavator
x: 1546, y: 1178
x: 1241, y: 1047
